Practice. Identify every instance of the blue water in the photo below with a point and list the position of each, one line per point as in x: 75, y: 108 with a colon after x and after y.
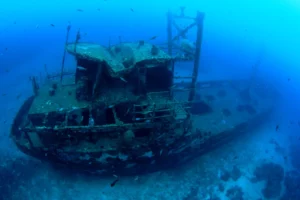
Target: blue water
x: 236, y: 34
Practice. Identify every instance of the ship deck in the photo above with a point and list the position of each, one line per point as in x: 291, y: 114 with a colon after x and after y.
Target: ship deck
x: 221, y: 111
x: 219, y: 105
x: 63, y: 99
x: 218, y: 108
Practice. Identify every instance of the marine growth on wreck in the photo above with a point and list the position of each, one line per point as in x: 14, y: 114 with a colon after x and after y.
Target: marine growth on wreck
x: 125, y: 111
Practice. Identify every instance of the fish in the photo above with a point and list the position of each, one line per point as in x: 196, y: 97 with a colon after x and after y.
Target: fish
x: 52, y: 25
x: 98, y: 9
x: 266, y: 151
x: 81, y: 68
x: 122, y: 79
x: 114, y: 182
x: 153, y: 38
x: 131, y: 9
x: 141, y: 43
x: 37, y: 26
x: 277, y: 128
x: 79, y: 10
x: 173, y: 86
x: 18, y: 96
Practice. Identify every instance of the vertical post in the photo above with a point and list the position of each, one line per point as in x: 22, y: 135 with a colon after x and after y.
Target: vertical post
x: 170, y: 44
x: 169, y: 30
x: 46, y: 71
x: 35, y: 86
x: 64, y: 55
x: 172, y: 64
x: 199, y: 21
x: 78, y: 37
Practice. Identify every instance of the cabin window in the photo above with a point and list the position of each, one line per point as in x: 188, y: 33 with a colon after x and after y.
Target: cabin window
x: 110, y: 119
x: 78, y: 117
x: 158, y: 79
x: 55, y: 119
x: 103, y: 116
x: 124, y: 112
x: 145, y: 132
x: 86, y: 76
x: 85, y: 117
x: 36, y: 119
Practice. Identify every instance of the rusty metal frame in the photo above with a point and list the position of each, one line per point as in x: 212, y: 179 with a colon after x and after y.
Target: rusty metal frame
x: 198, y: 23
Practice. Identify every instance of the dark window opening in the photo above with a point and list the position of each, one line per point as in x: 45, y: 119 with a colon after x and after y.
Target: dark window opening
x: 86, y: 116
x: 50, y: 120
x: 110, y: 119
x: 110, y: 82
x: 36, y: 119
x: 161, y: 115
x: 78, y: 117
x: 91, y: 68
x: 158, y: 79
x: 140, y: 108
x: 142, y: 132
x: 86, y: 76
x: 142, y: 70
x: 139, y: 117
x: 74, y: 120
x: 89, y: 88
x: 124, y: 112
x: 55, y: 119
x: 99, y: 115
x: 136, y: 80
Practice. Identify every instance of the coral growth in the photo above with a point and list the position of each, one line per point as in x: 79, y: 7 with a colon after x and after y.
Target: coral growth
x: 292, y: 186
x: 273, y: 175
x: 235, y: 193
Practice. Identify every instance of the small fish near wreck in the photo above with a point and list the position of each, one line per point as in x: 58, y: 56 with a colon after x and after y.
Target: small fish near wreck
x: 126, y: 112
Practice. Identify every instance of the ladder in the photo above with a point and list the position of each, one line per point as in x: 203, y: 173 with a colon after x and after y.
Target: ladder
x: 155, y: 107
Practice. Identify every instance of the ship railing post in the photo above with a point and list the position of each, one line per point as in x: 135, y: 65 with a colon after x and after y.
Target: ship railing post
x: 199, y: 21
x: 35, y: 86
x: 170, y: 44
x: 64, y: 54
x: 169, y: 31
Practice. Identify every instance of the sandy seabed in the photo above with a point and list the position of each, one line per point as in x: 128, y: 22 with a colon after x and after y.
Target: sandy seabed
x: 225, y: 173
x: 208, y: 177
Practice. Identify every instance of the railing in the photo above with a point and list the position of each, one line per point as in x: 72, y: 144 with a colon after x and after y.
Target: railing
x: 159, y: 105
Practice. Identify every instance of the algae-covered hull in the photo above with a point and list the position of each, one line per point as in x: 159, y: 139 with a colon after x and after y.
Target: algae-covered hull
x: 221, y: 111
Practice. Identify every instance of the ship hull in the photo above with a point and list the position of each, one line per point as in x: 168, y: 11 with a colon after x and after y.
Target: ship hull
x: 130, y: 149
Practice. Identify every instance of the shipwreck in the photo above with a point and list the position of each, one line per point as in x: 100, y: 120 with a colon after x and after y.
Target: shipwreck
x: 126, y: 111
